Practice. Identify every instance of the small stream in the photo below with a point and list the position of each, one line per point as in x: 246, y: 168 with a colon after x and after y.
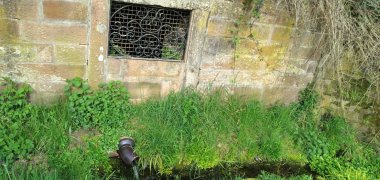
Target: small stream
x: 227, y: 171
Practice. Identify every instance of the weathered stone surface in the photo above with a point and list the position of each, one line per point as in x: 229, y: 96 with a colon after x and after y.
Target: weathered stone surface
x: 48, y: 72
x: 98, y: 43
x: 280, y: 94
x: 226, y: 77
x: 154, y: 68
x: 226, y: 9
x: 273, y: 13
x: 247, y: 47
x: 281, y: 35
x: 257, y: 32
x: 217, y: 52
x: 225, y: 46
x: 168, y: 86
x: 261, y: 65
x: 300, y: 81
x: 143, y: 90
x: 250, y: 63
x: 14, y: 53
x: 194, y: 55
x: 71, y: 54
x: 48, y: 86
x: 218, y: 27
x: 40, y: 32
x: 19, y: 9
x: 65, y: 10
x: 2, y: 70
x: 273, y: 55
x: 248, y: 92
x: 302, y: 53
x: 309, y: 39
x: 114, y: 69
x: 224, y: 62
x: 311, y: 66
x: 212, y: 45
x: 9, y: 30
x: 46, y: 97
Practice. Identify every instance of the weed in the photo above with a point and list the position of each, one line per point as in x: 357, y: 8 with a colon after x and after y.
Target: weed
x: 105, y: 107
x: 184, y: 130
x: 15, y: 111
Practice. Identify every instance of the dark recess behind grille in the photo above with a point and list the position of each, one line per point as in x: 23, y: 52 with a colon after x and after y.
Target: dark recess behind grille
x: 148, y: 31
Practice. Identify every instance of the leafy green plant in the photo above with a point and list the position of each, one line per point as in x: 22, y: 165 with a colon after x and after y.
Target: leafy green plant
x: 330, y: 143
x: 268, y: 176
x: 172, y: 52
x: 15, y: 112
x: 105, y: 107
x: 184, y: 130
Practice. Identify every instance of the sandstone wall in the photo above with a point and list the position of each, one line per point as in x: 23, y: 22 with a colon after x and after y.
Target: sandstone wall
x: 44, y: 42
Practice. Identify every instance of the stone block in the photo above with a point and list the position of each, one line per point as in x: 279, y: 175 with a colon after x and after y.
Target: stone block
x: 44, y: 98
x: 226, y: 9
x: 273, y: 50
x: 247, y: 47
x: 248, y: 92
x: 281, y: 35
x: 141, y: 90
x: 257, y: 32
x: 2, y: 69
x: 224, y: 62
x: 302, y: 52
x: 168, y: 86
x: 212, y: 45
x: 299, y: 81
x: 272, y: 13
x: 296, y: 63
x: 280, y: 94
x: 12, y: 53
x: 311, y: 66
x: 154, y: 68
x: 250, y: 63
x: 225, y: 46
x: 307, y: 39
x: 9, y: 30
x: 48, y: 72
x: 73, y: 54
x: 19, y: 9
x: 114, y: 69
x: 220, y: 27
x: 47, y: 86
x: 98, y: 40
x: 40, y: 32
x: 208, y: 60
x: 65, y: 10
x: 273, y: 55
x: 217, y: 52
x: 225, y: 77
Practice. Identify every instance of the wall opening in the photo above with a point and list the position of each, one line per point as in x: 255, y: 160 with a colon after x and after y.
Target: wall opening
x: 151, y: 32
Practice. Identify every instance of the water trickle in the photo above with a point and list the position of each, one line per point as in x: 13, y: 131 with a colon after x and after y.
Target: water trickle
x: 136, y: 172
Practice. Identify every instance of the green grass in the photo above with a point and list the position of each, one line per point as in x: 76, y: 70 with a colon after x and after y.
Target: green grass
x: 187, y: 131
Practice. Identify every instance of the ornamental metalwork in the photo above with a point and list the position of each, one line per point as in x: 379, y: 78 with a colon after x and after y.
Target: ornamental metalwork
x: 148, y: 31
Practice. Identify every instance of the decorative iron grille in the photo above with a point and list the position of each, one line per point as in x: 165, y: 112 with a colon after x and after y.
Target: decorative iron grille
x: 148, y: 31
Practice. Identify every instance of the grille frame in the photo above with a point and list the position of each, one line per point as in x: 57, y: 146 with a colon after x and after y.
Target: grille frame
x: 148, y: 32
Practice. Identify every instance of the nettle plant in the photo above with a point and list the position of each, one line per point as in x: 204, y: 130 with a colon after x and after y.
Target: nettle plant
x: 107, y: 106
x: 15, y: 112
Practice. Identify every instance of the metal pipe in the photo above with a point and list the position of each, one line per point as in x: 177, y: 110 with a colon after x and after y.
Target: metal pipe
x: 126, y: 151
